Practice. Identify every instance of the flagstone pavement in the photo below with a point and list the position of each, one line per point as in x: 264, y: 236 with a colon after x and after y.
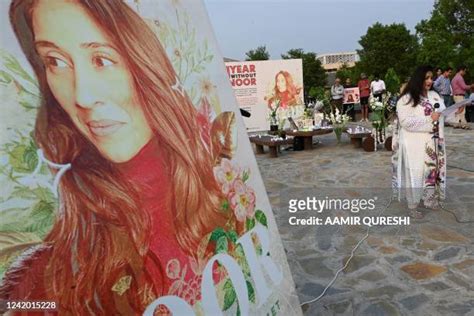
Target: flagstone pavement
x: 425, y: 268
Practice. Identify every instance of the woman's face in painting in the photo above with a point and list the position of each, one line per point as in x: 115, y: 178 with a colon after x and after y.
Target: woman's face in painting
x: 89, y: 79
x: 428, y: 81
x: 281, y: 83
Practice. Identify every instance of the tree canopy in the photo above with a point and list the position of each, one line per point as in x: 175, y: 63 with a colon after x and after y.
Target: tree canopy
x: 388, y: 46
x: 447, y: 37
x: 260, y: 53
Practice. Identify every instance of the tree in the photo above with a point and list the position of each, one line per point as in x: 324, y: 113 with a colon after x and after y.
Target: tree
x: 437, y: 46
x: 447, y: 37
x: 385, y: 46
x: 392, y: 82
x: 313, y: 72
x: 348, y: 72
x: 260, y: 53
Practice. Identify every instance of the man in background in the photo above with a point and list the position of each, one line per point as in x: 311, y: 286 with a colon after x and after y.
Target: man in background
x: 442, y: 85
x: 377, y: 87
x: 437, y: 74
x: 337, y: 94
x: 459, y: 90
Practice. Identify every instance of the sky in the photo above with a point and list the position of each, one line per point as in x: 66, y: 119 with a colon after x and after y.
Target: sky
x: 320, y: 26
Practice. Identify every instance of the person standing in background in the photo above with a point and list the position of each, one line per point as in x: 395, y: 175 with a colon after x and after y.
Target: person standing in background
x: 337, y: 94
x: 364, y: 90
x: 459, y: 90
x: 442, y: 85
x: 349, y: 107
x: 377, y: 87
x: 438, y: 74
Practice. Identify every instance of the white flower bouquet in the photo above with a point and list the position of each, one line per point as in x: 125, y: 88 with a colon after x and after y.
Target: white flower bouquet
x: 339, y: 122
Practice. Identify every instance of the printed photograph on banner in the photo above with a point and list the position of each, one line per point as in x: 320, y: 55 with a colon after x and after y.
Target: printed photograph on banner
x: 128, y: 182
x: 270, y: 90
x: 351, y: 95
x: 283, y: 93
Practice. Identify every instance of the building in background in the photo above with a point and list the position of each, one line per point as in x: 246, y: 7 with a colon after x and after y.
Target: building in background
x: 334, y: 61
x: 226, y: 59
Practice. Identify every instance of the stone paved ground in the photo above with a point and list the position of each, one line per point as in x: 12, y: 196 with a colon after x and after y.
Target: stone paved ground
x: 426, y: 268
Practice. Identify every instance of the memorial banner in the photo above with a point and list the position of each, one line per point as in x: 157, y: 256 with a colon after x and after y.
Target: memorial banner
x: 261, y: 87
x: 351, y: 95
x: 129, y: 185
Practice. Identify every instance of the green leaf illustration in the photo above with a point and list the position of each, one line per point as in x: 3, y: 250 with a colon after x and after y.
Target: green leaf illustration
x: 17, y: 159
x: 44, y: 194
x: 15, y: 67
x: 217, y: 233
x: 12, y: 243
x: 250, y: 223
x: 5, y: 77
x: 225, y: 205
x: 222, y: 245
x: 261, y: 217
x: 245, y: 175
x: 250, y: 291
x: 232, y: 235
x: 42, y: 219
x: 229, y: 294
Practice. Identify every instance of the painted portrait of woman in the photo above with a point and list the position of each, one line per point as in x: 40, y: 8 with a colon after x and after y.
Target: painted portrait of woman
x: 285, y: 91
x: 145, y: 187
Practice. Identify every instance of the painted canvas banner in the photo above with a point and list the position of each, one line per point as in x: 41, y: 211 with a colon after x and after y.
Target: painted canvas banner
x: 265, y: 86
x: 128, y: 182
x: 351, y: 95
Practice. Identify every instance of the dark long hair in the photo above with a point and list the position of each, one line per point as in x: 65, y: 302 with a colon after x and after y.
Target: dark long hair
x: 414, y: 87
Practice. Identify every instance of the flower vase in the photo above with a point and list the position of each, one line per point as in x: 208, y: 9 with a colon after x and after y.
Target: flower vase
x: 380, y: 134
x: 273, y: 123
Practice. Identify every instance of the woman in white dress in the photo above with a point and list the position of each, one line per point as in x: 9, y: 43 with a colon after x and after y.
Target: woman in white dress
x: 419, y: 159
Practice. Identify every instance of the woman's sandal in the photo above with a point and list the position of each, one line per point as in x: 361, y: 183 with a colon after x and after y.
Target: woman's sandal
x: 415, y: 214
x: 465, y: 127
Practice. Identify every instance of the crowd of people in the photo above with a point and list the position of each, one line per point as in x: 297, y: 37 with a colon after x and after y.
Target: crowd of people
x: 451, y: 88
x: 453, y: 91
x: 376, y: 88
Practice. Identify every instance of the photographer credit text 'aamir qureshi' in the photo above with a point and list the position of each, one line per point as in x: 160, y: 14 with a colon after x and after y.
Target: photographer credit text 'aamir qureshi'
x: 319, y: 208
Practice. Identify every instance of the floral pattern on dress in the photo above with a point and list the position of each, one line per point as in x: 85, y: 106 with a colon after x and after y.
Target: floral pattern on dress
x: 434, y: 174
x: 427, y: 107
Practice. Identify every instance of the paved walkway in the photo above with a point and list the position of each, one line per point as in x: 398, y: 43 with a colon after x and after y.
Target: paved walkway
x: 425, y: 268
